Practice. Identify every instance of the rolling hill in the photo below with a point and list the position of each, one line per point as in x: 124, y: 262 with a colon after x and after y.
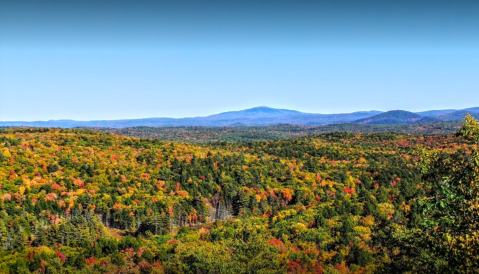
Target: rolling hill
x: 435, y: 112
x: 458, y: 115
x: 406, y: 117
x: 397, y: 117
x: 258, y: 116
x: 264, y: 116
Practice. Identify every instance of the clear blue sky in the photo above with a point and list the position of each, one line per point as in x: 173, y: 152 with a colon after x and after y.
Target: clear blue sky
x: 85, y: 59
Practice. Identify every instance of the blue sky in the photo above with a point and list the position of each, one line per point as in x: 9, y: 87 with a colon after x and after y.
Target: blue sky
x: 89, y: 59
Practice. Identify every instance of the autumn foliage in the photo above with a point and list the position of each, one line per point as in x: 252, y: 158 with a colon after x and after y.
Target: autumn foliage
x: 81, y: 201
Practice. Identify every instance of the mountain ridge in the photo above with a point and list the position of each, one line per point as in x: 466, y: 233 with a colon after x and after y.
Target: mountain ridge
x: 263, y: 116
x: 397, y: 117
x: 407, y: 117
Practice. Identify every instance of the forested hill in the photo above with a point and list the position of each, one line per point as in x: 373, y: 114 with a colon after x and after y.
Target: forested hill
x: 263, y: 116
x: 258, y: 116
x: 277, y: 132
x: 398, y: 117
x: 80, y: 201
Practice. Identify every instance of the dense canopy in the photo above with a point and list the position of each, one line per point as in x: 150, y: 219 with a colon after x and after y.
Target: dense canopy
x: 81, y: 201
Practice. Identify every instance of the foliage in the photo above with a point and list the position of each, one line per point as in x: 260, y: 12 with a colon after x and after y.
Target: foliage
x: 82, y: 201
x: 451, y: 207
x: 277, y: 132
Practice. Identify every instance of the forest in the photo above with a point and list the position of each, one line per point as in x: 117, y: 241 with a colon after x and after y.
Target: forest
x: 86, y: 201
x: 198, y: 134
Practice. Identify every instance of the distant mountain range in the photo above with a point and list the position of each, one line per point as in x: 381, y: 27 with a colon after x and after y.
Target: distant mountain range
x: 264, y: 116
x: 406, y: 117
x: 397, y: 117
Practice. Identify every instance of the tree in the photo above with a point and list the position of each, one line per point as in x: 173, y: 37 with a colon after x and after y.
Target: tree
x: 451, y: 205
x: 3, y: 236
x: 240, y: 202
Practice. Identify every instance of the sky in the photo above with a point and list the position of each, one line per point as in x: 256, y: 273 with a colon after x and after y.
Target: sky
x: 120, y: 59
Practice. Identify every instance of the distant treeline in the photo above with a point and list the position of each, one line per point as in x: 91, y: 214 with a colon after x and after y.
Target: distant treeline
x: 277, y: 132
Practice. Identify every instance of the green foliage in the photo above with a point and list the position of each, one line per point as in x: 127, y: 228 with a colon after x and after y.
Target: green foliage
x: 451, y: 207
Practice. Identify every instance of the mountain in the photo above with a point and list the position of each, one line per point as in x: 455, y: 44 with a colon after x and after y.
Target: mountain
x: 257, y: 112
x: 476, y: 109
x: 458, y: 115
x: 258, y: 116
x: 435, y: 112
x: 406, y: 117
x: 397, y: 117
x: 265, y: 116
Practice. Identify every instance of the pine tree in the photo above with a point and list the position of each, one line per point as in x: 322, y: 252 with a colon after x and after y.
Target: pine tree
x: 3, y: 235
x: 20, y: 239
x: 240, y: 203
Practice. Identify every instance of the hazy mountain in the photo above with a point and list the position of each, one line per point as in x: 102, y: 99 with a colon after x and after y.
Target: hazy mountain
x: 458, y: 115
x: 435, y: 112
x: 258, y: 116
x: 449, y: 113
x: 397, y: 117
x: 255, y: 113
x: 265, y: 116
x: 406, y: 117
x: 476, y: 109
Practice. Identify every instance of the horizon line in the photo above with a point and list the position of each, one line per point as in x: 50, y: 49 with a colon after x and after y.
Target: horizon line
x: 257, y: 107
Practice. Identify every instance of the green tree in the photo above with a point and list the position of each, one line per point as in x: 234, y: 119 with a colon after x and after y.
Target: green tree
x: 3, y: 235
x: 451, y: 205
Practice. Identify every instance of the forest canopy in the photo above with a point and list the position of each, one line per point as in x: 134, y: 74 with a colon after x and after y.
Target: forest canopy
x: 83, y: 201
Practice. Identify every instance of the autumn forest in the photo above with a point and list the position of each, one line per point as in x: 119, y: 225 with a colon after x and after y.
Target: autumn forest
x: 86, y: 201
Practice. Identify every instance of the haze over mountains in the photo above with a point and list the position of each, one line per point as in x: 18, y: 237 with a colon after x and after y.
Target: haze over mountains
x: 264, y: 116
